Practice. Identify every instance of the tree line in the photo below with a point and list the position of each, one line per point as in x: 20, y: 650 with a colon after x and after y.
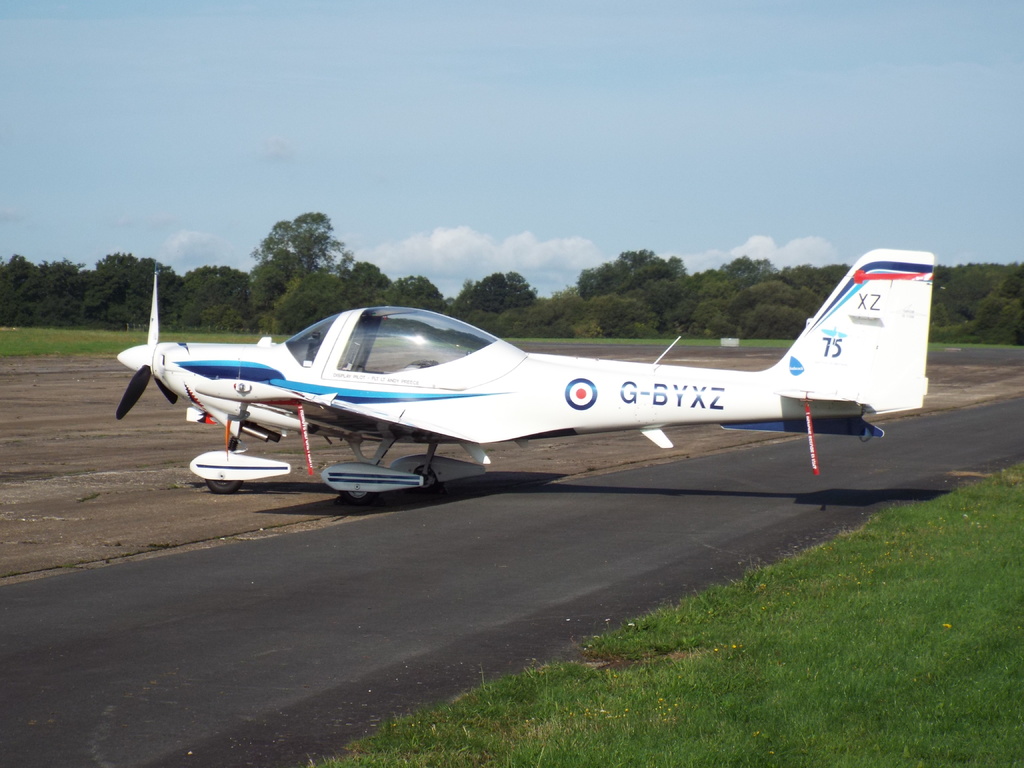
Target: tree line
x: 302, y: 273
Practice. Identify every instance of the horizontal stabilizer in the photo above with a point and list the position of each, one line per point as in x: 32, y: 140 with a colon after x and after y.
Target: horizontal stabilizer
x: 854, y: 426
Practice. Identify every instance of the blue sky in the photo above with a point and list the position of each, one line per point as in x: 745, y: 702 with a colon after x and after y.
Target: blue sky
x: 455, y: 139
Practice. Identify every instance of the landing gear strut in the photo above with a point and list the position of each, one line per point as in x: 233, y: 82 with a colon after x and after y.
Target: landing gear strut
x: 226, y: 486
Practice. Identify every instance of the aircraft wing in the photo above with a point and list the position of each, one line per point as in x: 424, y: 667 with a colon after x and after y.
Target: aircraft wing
x: 372, y: 421
x: 327, y: 411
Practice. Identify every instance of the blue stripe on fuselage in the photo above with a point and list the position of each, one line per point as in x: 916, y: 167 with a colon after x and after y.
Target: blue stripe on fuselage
x: 232, y: 369
x: 239, y: 370
x: 368, y: 396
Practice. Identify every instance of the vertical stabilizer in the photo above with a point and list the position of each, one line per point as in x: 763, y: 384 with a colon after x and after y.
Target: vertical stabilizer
x: 869, y: 341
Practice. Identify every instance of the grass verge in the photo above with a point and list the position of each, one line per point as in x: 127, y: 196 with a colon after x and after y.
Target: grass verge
x: 898, y: 645
x: 25, y: 342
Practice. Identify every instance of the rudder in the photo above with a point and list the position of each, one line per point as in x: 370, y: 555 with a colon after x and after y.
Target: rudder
x: 869, y: 341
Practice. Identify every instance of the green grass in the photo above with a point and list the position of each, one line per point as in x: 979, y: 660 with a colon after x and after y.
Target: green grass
x: 24, y: 342
x: 901, y: 644
x: 659, y: 342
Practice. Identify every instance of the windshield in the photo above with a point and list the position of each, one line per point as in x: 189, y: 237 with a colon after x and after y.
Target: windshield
x: 305, y: 344
x: 387, y: 339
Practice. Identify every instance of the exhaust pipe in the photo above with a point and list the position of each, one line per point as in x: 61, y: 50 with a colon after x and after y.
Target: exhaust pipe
x: 265, y: 435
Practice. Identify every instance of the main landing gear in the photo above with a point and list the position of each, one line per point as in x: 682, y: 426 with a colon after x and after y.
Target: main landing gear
x: 221, y: 487
x: 431, y: 486
x: 224, y: 486
x: 356, y: 498
x: 360, y: 482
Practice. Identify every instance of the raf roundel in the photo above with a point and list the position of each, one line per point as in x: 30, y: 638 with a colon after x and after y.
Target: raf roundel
x: 581, y: 394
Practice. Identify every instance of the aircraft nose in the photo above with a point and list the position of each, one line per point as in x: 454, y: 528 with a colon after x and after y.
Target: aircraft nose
x: 135, y: 357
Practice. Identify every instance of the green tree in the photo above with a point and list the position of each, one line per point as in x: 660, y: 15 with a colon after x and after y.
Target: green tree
x: 631, y: 271
x: 19, y: 279
x: 711, y: 320
x: 295, y: 249
x: 119, y: 290
x: 320, y: 294
x: 998, y: 320
x: 618, y: 317
x: 744, y: 271
x: 772, y: 310
x: 415, y: 291
x: 818, y: 280
x: 496, y: 293
x: 365, y: 285
x: 216, y: 297
x: 961, y: 288
x: 307, y: 300
x: 60, y: 295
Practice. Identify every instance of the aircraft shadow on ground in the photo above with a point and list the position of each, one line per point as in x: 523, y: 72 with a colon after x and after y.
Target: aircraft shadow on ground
x: 491, y: 484
x: 496, y: 483
x: 847, y: 497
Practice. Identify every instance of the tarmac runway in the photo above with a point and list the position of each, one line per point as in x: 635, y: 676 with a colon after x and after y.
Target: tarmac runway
x: 272, y: 651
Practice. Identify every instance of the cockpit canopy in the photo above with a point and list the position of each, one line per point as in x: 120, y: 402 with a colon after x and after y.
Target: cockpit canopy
x: 306, y: 343
x: 390, y: 339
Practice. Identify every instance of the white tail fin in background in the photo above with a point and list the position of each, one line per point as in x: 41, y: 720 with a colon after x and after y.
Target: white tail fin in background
x: 869, y: 342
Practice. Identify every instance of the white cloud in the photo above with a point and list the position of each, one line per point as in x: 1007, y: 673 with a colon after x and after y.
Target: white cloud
x: 185, y: 250
x: 11, y: 215
x: 450, y: 255
x: 277, y: 148
x: 154, y: 221
x: 816, y: 251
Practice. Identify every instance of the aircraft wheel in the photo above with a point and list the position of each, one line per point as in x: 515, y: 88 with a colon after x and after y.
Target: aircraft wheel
x: 431, y: 484
x: 434, y: 489
x: 356, y: 498
x: 224, y: 486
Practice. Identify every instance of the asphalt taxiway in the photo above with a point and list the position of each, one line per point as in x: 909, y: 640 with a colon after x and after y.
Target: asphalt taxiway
x: 271, y: 651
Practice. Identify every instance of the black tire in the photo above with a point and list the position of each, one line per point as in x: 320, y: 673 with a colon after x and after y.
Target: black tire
x: 224, y: 486
x: 357, y: 498
x: 435, y: 489
x: 431, y: 485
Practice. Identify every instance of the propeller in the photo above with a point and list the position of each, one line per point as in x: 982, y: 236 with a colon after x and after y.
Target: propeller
x: 134, y: 391
x: 140, y: 358
x: 171, y: 397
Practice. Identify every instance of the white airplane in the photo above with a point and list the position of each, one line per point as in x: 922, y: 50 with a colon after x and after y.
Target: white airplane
x: 386, y: 375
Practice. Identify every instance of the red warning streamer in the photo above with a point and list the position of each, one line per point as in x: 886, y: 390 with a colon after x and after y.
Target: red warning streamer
x: 305, y: 437
x: 810, y: 437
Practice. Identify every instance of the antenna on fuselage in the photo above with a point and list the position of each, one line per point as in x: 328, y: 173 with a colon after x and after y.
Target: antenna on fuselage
x: 667, y: 351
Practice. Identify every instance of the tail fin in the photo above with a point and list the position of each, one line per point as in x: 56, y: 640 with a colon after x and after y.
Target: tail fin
x: 868, y: 343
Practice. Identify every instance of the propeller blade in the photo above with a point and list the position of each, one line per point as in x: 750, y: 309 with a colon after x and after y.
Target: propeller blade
x: 134, y: 391
x: 171, y: 397
x: 154, y: 316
